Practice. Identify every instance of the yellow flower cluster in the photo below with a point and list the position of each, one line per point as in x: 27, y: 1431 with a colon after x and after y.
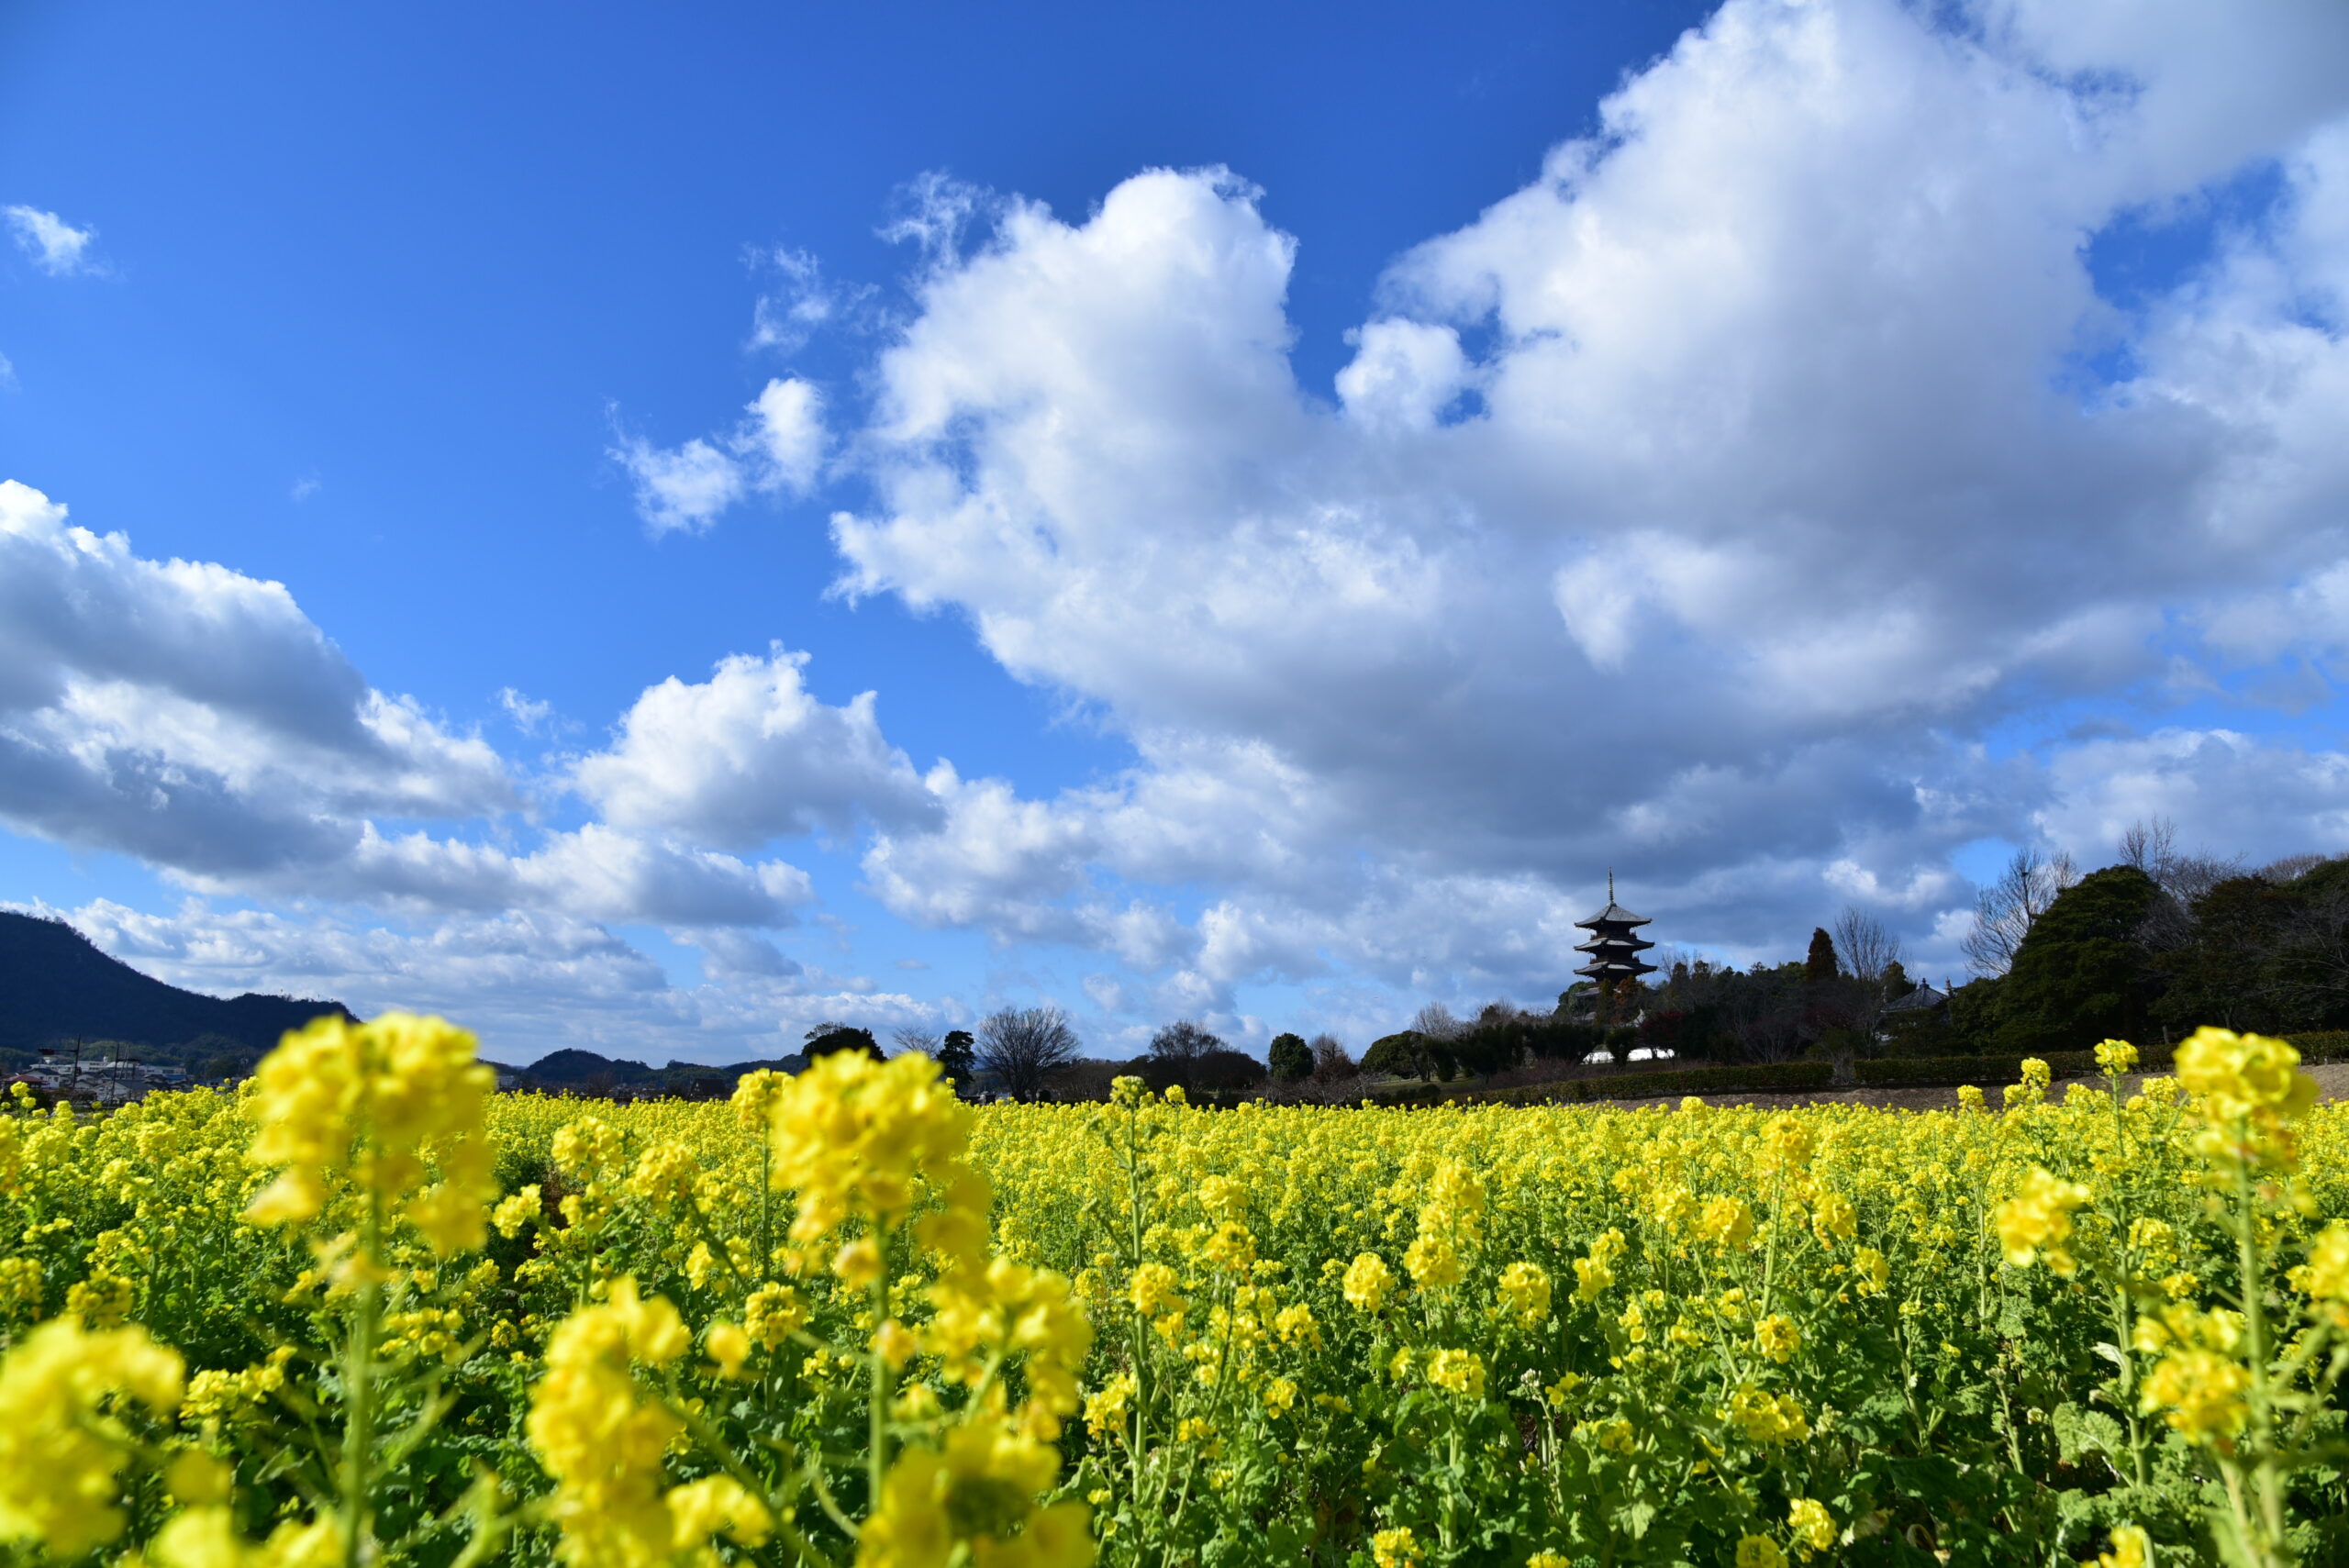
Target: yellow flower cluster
x: 854, y: 1139
x: 977, y: 1496
x: 1525, y: 1292
x: 849, y: 1319
x: 384, y: 1104
x: 2251, y: 1089
x: 2199, y: 1383
x: 2037, y: 1221
x: 67, y: 1398
x: 603, y: 1438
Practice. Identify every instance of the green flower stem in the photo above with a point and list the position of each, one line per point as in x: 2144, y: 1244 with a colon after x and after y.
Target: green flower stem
x: 714, y: 1445
x: 2124, y: 1303
x: 880, y: 1375
x: 358, y: 1380
x: 2263, y: 1538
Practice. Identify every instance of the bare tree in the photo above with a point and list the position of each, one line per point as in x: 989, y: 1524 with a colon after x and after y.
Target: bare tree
x: 2151, y: 845
x: 1177, y: 1049
x: 1867, y: 949
x: 2009, y: 907
x: 1018, y: 1046
x: 1436, y: 1022
x: 914, y: 1038
x: 1864, y: 944
x: 1332, y: 1062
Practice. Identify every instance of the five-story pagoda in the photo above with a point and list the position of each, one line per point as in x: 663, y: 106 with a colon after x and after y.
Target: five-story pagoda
x: 1615, y: 962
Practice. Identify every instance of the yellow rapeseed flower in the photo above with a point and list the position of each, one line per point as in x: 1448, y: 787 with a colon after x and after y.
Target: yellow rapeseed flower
x: 2038, y: 1220
x: 1458, y: 1372
x: 2132, y: 1548
x: 378, y: 1102
x: 2251, y: 1090
x: 62, y: 1445
x: 1525, y: 1292
x: 1811, y: 1525
x: 600, y: 1437
x: 974, y: 1499
x: 1368, y: 1281
x: 854, y: 1137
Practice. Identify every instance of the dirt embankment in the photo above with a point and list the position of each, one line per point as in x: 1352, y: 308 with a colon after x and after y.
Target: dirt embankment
x: 2332, y: 1084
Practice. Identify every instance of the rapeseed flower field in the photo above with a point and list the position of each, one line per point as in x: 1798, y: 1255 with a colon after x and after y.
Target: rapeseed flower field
x: 366, y: 1311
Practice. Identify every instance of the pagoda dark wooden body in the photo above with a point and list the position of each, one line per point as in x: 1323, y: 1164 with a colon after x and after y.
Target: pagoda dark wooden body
x: 1614, y: 949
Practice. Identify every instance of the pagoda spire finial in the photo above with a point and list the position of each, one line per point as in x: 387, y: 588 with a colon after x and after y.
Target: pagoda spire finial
x: 1611, y: 885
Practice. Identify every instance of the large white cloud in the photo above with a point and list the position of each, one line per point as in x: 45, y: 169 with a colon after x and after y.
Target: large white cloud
x: 748, y: 756
x: 1778, y: 484
x: 2227, y: 793
x: 194, y: 715
x: 195, y: 718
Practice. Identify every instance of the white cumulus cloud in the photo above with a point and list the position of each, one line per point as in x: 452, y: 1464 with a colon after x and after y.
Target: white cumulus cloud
x: 1774, y: 491
x: 56, y: 247
x: 749, y: 756
x: 778, y: 448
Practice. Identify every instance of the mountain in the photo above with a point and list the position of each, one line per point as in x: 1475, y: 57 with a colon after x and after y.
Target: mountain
x: 55, y: 988
x: 574, y: 1068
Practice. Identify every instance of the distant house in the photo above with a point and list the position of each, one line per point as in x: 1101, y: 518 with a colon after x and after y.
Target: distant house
x: 1916, y: 1022
x: 1924, y: 998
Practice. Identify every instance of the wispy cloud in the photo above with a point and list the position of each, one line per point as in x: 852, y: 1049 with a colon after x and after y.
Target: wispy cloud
x: 679, y: 488
x: 56, y: 246
x: 934, y: 209
x: 528, y: 713
x: 800, y: 301
x: 778, y: 447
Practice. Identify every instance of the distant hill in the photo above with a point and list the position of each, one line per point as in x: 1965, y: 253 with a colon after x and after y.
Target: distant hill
x: 573, y: 1069
x: 56, y: 987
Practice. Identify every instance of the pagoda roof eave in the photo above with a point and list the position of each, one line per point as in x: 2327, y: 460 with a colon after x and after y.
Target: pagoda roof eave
x: 1614, y: 944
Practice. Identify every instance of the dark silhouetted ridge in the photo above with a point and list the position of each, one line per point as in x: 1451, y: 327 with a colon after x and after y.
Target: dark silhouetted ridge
x: 56, y: 987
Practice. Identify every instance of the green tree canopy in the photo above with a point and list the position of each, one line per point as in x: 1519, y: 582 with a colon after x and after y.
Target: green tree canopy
x: 2079, y: 975
x: 1290, y: 1058
x: 1820, y: 966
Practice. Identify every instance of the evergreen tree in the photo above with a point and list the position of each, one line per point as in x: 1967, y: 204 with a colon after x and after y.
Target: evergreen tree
x: 1290, y: 1058
x: 1820, y: 966
x: 828, y: 1038
x: 2078, y: 975
x: 958, y: 1057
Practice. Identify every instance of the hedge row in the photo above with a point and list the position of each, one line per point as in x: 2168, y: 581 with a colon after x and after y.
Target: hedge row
x: 1797, y: 1077
x: 1989, y: 1072
x: 1774, y: 1077
x: 2323, y: 1045
x: 2329, y: 1045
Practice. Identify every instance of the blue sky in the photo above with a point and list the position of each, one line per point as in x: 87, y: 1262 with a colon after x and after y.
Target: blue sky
x: 1330, y: 483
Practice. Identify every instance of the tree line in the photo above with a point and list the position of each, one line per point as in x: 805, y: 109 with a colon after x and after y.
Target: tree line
x: 2147, y: 947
